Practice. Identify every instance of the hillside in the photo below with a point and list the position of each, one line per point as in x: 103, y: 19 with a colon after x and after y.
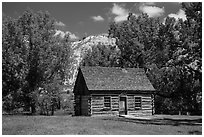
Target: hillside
x: 82, y: 47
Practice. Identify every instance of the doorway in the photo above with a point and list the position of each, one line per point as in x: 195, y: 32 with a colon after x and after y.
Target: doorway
x: 123, y: 106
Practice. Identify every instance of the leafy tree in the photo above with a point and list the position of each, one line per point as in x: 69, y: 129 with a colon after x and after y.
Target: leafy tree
x: 185, y: 60
x: 102, y: 55
x: 170, y: 53
x: 13, y: 63
x: 134, y: 37
x: 32, y: 57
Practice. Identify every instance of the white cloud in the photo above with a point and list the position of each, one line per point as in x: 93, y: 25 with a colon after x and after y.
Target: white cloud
x: 59, y: 23
x: 152, y: 11
x: 120, y: 18
x: 149, y: 3
x: 180, y: 14
x: 59, y: 33
x: 62, y: 34
x: 72, y: 36
x: 120, y: 12
x: 97, y: 18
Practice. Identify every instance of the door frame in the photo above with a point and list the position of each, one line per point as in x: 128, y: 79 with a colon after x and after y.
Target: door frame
x: 126, y: 110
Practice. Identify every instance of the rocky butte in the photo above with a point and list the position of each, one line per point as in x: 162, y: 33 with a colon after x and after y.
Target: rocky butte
x: 80, y: 49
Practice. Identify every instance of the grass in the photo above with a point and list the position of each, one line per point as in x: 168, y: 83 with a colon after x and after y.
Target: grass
x: 101, y: 125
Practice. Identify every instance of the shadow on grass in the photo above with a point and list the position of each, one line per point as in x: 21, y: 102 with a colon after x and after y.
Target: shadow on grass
x: 196, y: 132
x: 165, y: 121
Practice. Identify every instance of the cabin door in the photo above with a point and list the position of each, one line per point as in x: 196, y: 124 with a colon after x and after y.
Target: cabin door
x: 123, y: 106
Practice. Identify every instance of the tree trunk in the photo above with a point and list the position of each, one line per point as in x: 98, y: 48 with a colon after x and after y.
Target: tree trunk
x: 33, y: 109
x: 59, y: 104
x: 46, y: 109
x: 179, y: 112
x: 52, y: 110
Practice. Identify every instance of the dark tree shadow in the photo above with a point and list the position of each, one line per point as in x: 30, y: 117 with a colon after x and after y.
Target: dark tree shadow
x: 165, y: 121
x: 196, y: 132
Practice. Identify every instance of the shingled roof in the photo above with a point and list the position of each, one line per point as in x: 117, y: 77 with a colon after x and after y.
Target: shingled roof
x: 115, y: 78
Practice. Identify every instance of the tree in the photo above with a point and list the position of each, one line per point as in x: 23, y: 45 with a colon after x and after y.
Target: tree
x: 102, y: 55
x: 32, y: 56
x: 14, y: 67
x: 185, y: 60
x: 134, y: 37
x: 170, y: 54
x: 188, y: 56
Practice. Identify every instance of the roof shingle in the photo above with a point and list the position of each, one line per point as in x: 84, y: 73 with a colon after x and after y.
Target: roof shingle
x: 115, y: 78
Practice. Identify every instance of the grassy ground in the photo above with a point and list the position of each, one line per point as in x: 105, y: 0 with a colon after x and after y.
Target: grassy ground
x: 55, y: 125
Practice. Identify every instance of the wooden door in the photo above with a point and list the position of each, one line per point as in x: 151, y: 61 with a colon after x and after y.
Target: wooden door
x: 123, y: 106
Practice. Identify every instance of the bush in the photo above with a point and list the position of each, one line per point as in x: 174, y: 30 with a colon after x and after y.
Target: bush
x: 47, y: 104
x: 66, y: 102
x: 11, y: 105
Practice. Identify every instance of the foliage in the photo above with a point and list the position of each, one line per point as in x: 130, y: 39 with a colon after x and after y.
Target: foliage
x: 67, y: 103
x: 102, y: 55
x: 31, y: 57
x: 134, y: 36
x: 170, y: 54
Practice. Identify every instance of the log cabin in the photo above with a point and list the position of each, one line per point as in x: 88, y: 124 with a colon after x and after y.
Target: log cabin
x: 113, y: 91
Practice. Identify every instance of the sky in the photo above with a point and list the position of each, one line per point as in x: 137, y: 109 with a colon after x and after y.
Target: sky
x: 81, y: 19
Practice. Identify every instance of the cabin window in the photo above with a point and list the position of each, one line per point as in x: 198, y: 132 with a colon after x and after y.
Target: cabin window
x: 107, y: 102
x: 138, y: 103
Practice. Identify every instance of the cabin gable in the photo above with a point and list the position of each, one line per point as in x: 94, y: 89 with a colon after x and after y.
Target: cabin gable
x: 81, y: 96
x: 80, y: 87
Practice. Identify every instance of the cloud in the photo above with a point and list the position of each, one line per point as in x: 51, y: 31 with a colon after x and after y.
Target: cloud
x: 62, y: 34
x: 72, y: 36
x: 59, y: 23
x: 59, y: 33
x: 180, y: 14
x: 149, y: 3
x: 97, y: 18
x: 120, y: 12
x: 152, y: 11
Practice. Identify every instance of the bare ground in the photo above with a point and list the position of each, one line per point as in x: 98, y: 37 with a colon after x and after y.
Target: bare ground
x: 100, y: 125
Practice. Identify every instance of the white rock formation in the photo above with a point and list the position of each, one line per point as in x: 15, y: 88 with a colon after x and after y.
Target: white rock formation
x: 80, y: 49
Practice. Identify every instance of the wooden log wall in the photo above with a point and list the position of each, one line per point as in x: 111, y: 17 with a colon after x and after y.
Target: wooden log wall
x: 94, y: 105
x: 77, y: 105
x: 114, y: 103
x: 85, y: 105
x: 146, y: 105
x: 97, y: 105
x: 82, y: 105
x: 131, y: 103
